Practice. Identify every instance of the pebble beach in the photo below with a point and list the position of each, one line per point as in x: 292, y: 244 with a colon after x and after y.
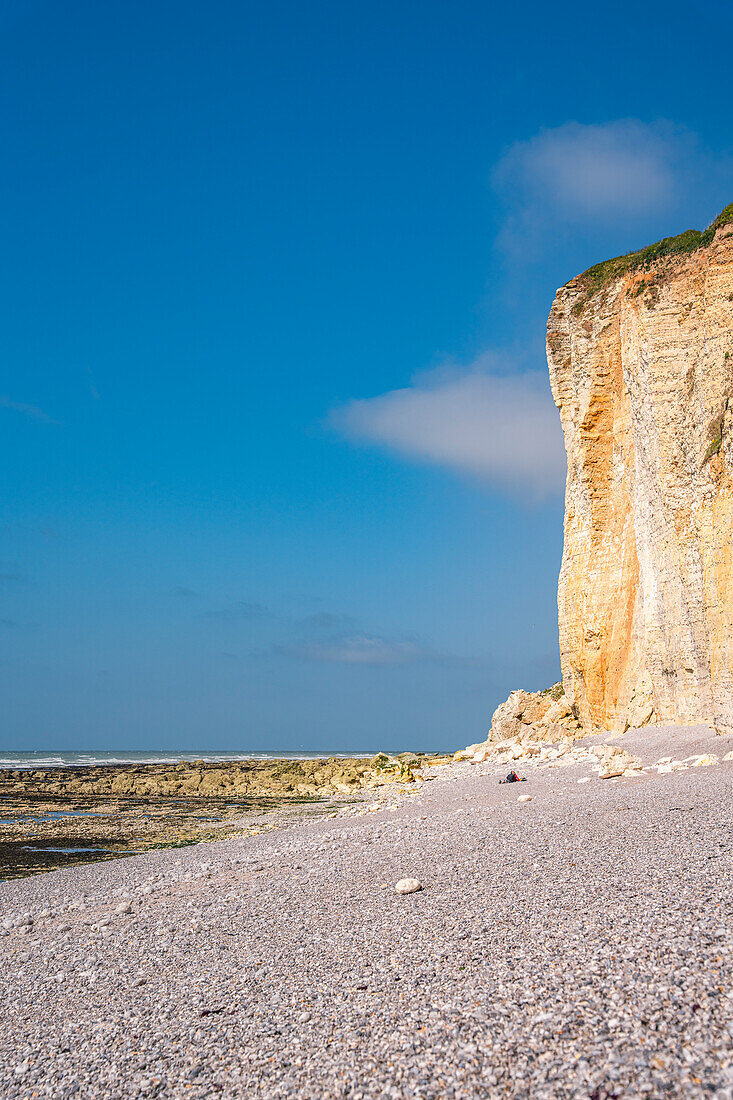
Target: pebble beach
x: 568, y: 937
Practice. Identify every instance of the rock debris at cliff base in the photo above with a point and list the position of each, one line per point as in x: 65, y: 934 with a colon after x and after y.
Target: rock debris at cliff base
x: 575, y: 946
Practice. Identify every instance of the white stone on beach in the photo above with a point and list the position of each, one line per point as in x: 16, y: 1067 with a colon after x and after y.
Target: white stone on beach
x: 585, y: 779
x: 525, y: 798
x: 123, y: 907
x: 408, y: 886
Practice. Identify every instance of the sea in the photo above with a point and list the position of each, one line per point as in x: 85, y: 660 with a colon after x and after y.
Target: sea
x: 52, y: 759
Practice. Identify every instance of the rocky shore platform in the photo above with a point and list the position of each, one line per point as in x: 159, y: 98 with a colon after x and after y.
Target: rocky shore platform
x: 58, y: 817
x: 571, y: 938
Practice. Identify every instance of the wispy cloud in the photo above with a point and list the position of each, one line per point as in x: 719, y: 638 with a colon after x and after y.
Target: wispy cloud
x: 327, y: 620
x: 180, y: 592
x: 92, y: 385
x: 11, y: 579
x: 357, y: 649
x: 237, y: 612
x: 503, y: 429
x: 26, y: 410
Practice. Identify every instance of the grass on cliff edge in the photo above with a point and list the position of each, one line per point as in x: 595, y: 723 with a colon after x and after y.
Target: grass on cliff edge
x: 600, y: 275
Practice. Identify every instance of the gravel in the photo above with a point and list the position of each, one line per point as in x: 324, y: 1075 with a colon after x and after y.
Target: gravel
x: 575, y: 946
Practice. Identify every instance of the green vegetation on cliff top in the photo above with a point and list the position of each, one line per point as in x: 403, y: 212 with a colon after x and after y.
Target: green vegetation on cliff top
x: 600, y: 275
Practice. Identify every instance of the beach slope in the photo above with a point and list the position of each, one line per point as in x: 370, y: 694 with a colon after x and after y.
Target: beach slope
x: 574, y: 945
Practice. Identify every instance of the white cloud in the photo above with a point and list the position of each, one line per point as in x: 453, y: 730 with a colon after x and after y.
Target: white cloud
x: 591, y: 190
x: 618, y: 184
x: 504, y: 430
x: 614, y: 168
x: 359, y: 649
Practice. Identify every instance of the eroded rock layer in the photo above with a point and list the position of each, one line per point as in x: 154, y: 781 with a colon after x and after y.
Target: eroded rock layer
x: 640, y: 353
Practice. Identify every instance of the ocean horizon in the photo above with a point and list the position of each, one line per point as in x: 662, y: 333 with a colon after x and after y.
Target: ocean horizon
x: 41, y: 758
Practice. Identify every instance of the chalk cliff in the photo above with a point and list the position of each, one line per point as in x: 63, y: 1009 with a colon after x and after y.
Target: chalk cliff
x: 640, y: 351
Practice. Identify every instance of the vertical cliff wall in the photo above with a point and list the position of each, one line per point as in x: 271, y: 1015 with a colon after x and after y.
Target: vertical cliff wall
x: 640, y: 351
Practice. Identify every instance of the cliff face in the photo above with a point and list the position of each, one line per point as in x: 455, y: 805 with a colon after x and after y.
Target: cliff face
x: 640, y: 352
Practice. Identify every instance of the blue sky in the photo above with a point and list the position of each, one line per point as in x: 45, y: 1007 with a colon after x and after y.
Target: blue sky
x: 281, y: 466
